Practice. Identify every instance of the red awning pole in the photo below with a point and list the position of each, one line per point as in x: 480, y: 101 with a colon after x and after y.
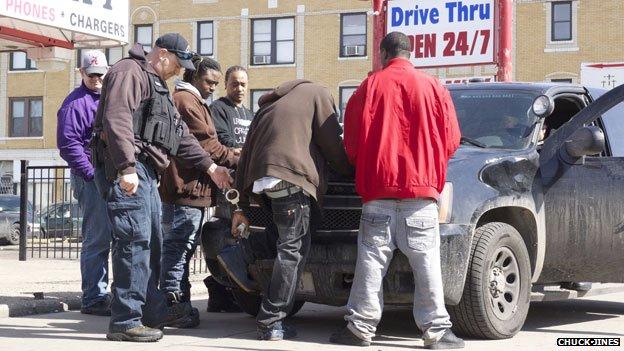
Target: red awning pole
x: 505, y: 23
x: 21, y: 36
x: 379, y: 30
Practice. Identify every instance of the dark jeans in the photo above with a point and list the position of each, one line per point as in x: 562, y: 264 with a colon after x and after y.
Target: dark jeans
x: 137, y: 246
x: 96, y: 241
x: 181, y: 233
x: 291, y: 215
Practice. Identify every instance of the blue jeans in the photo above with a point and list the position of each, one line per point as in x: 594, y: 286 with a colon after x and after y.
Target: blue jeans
x: 181, y: 233
x: 412, y: 227
x: 96, y: 241
x: 137, y: 246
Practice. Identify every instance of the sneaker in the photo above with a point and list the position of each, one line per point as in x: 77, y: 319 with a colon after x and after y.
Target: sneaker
x: 100, y: 308
x: 447, y: 341
x: 188, y: 322
x: 179, y: 314
x: 346, y: 337
x: 136, y: 334
x: 232, y: 260
x: 276, y: 332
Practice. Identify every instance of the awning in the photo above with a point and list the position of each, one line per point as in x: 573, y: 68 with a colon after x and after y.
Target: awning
x: 62, y: 23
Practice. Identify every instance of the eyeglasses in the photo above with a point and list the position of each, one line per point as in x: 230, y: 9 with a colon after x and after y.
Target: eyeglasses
x: 95, y: 75
x: 184, y: 55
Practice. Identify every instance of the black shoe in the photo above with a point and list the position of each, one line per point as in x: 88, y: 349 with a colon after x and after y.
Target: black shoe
x: 220, y: 299
x: 232, y: 260
x: 577, y: 286
x: 188, y: 322
x: 100, y: 308
x: 346, y: 337
x: 276, y: 332
x: 447, y: 341
x: 136, y: 334
x: 179, y: 314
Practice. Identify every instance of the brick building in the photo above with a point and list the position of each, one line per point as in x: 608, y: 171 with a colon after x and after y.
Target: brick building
x: 553, y: 38
x: 329, y: 42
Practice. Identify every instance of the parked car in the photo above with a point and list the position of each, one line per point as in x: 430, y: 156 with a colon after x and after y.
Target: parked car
x: 10, y: 217
x: 533, y: 199
x: 61, y: 220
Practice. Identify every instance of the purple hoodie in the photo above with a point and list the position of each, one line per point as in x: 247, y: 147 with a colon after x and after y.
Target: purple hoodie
x: 74, y: 127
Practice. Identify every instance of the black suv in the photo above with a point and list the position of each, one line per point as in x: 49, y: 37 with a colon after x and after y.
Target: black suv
x: 534, y: 197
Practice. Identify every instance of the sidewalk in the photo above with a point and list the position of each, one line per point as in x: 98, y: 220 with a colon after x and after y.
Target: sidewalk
x: 57, y: 279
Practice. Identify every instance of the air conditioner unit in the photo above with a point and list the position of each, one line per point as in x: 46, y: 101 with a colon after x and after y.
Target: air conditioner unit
x: 261, y: 59
x: 354, y: 50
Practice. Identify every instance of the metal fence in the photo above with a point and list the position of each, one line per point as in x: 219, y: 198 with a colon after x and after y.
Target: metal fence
x: 52, y: 224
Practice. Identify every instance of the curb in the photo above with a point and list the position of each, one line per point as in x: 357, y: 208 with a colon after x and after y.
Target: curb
x: 23, y: 306
x: 26, y: 306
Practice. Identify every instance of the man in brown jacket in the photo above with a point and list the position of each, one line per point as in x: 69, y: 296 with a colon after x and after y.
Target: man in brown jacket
x: 294, y: 135
x: 185, y: 192
x: 138, y: 129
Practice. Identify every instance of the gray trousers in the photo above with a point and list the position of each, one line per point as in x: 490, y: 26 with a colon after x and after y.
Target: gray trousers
x: 412, y: 227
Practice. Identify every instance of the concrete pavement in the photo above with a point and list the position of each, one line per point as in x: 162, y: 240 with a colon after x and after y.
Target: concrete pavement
x: 57, y: 279
x: 601, y: 316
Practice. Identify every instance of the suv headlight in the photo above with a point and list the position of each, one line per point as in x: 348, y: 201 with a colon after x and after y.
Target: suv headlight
x: 445, y: 204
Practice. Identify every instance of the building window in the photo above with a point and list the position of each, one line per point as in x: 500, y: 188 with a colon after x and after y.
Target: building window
x: 19, y: 62
x: 353, y: 34
x: 561, y: 80
x: 205, y: 38
x: 273, y: 41
x: 561, y: 20
x: 143, y: 36
x: 26, y: 116
x: 345, y: 95
x: 255, y: 96
x: 112, y: 55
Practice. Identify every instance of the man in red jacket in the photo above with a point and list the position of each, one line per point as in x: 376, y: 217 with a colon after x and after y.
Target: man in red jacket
x: 400, y: 131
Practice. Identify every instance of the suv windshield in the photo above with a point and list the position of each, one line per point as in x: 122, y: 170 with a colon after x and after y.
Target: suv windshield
x: 495, y: 118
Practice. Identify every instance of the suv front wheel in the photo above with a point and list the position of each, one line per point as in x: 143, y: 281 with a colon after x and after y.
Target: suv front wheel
x: 496, y: 296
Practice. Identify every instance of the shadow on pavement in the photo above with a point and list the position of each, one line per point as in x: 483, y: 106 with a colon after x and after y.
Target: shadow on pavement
x: 545, y: 315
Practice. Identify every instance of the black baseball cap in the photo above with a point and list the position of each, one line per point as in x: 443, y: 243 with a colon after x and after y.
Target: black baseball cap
x: 175, y: 43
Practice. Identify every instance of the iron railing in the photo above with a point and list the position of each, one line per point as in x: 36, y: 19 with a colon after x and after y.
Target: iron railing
x: 51, y: 219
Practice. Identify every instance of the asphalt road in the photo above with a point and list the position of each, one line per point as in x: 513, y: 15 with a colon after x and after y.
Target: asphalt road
x: 601, y: 316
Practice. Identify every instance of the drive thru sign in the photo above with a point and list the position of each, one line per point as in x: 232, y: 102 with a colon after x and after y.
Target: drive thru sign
x: 445, y: 33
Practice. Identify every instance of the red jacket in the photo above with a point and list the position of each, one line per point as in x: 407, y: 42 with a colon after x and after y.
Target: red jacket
x: 400, y: 131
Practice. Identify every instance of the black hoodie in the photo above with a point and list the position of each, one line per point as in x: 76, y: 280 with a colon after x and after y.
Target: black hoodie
x: 231, y: 122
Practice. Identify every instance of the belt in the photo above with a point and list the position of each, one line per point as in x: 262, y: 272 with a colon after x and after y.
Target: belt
x: 283, y: 193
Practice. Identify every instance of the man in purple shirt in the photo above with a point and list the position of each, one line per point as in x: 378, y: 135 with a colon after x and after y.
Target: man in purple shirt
x: 74, y: 129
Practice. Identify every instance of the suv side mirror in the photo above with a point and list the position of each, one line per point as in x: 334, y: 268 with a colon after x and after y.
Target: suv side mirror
x: 585, y: 141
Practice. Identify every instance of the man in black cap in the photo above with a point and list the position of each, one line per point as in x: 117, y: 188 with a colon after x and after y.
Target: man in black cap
x: 137, y: 129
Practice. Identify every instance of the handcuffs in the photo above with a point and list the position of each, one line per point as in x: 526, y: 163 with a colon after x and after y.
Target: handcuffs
x: 232, y: 196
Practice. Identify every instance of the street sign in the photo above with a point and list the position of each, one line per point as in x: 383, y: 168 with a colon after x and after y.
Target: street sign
x: 445, y: 33
x: 602, y: 75
x: 102, y: 18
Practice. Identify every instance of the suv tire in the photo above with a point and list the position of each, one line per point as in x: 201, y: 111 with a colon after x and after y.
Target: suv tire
x: 250, y: 303
x: 496, y: 296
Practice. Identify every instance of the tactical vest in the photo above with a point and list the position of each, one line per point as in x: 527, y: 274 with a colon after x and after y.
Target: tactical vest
x: 156, y: 120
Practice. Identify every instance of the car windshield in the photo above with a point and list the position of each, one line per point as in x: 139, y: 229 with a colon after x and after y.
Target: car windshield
x: 495, y: 118
x: 10, y: 203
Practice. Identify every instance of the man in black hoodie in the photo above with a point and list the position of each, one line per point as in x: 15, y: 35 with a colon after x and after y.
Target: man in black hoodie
x: 231, y: 119
x: 230, y: 116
